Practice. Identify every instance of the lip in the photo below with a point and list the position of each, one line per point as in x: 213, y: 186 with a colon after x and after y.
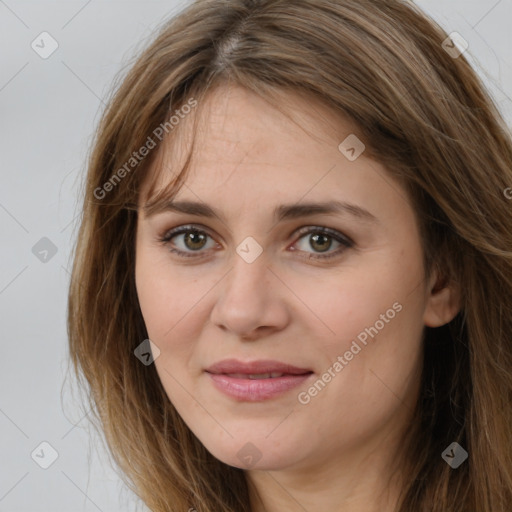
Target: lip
x: 259, y: 366
x: 255, y: 390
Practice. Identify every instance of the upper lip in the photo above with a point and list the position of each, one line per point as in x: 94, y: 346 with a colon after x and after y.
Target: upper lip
x: 255, y: 367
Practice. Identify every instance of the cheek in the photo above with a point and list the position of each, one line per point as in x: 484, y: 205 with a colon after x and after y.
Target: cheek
x: 154, y: 299
x: 366, y: 302
x: 375, y: 314
x: 377, y: 376
x: 172, y: 303
x: 163, y: 299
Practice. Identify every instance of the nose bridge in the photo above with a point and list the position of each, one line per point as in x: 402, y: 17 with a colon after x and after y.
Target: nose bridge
x: 249, y: 267
x: 247, y: 298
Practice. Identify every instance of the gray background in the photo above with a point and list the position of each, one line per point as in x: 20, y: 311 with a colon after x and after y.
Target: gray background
x: 48, y: 111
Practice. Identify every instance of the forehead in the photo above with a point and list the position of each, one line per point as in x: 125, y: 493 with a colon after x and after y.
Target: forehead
x: 234, y: 128
x: 252, y: 165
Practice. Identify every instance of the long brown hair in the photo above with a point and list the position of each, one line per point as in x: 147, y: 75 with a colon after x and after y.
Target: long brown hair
x: 425, y: 115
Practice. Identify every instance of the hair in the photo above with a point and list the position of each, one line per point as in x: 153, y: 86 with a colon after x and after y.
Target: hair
x: 427, y: 118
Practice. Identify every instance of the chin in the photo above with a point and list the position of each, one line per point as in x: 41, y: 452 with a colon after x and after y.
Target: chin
x: 254, y: 454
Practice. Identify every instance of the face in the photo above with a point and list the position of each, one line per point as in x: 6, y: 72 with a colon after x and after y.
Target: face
x: 340, y: 295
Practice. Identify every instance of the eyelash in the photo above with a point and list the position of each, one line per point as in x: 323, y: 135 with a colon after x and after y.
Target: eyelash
x: 345, y: 242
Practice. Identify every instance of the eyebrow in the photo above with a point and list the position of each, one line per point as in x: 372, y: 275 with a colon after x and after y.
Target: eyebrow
x: 281, y: 212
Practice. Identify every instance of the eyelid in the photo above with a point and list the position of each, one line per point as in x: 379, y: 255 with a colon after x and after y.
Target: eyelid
x: 309, y: 229
x: 166, y: 237
x: 169, y: 233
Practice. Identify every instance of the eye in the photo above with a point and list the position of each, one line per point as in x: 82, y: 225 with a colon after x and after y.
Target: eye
x: 191, y: 240
x: 321, y: 239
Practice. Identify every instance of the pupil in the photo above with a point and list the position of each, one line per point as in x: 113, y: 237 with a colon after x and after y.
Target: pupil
x: 194, y: 238
x: 315, y: 239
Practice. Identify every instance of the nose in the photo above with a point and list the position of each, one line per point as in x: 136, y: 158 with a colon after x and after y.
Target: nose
x: 251, y: 300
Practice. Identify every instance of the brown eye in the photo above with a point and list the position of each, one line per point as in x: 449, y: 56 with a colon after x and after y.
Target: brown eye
x: 320, y: 243
x: 187, y: 240
x: 194, y: 240
x: 320, y: 240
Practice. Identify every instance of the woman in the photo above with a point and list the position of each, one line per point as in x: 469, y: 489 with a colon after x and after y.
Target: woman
x: 293, y: 277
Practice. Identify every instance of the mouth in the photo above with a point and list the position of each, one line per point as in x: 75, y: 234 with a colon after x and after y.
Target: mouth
x: 257, y: 380
x: 256, y: 376
x: 263, y: 369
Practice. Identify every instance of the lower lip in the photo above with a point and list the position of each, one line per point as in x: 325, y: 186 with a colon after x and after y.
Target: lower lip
x: 256, y: 390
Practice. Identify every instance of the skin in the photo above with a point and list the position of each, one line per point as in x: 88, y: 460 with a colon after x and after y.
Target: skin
x: 338, y: 451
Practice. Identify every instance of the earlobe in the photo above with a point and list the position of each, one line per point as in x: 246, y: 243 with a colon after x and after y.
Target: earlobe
x: 443, y: 302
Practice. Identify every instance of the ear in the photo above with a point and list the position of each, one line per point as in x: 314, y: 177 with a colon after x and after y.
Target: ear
x: 443, y: 301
